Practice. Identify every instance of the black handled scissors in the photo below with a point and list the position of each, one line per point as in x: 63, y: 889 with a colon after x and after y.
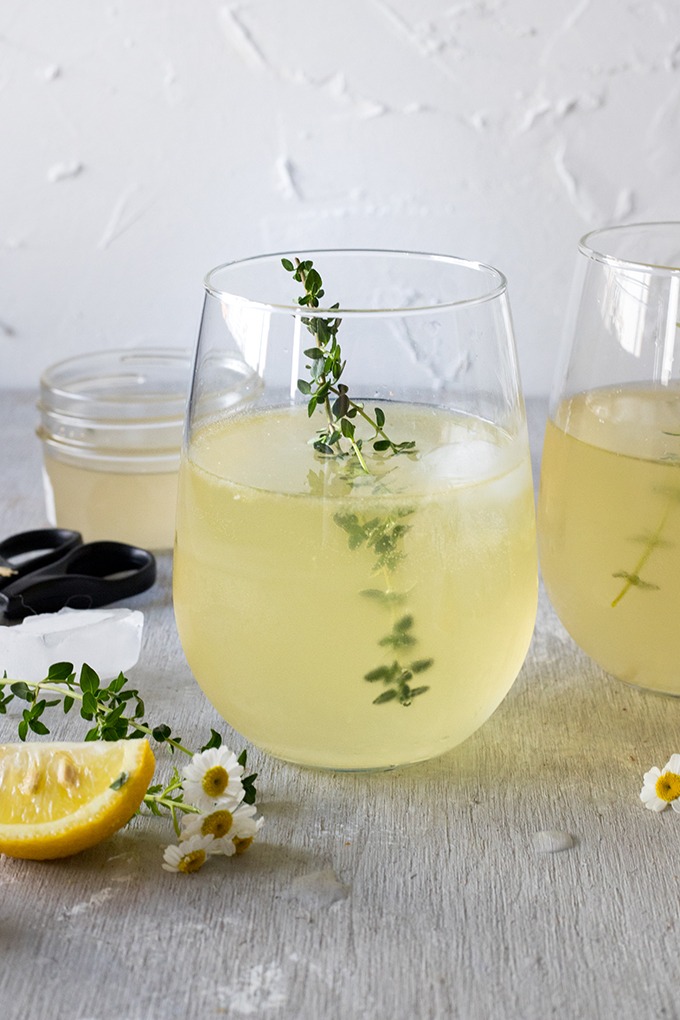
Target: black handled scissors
x: 44, y: 570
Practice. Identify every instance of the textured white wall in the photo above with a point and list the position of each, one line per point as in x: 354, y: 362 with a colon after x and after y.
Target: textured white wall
x: 144, y: 141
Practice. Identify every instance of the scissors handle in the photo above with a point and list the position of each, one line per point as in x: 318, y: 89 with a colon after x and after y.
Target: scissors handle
x: 31, y: 550
x: 88, y: 576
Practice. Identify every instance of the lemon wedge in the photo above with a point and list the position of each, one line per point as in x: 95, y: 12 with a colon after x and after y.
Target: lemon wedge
x: 57, y: 798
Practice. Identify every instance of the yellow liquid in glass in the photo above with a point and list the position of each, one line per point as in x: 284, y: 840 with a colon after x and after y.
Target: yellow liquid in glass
x: 609, y: 529
x: 270, y: 602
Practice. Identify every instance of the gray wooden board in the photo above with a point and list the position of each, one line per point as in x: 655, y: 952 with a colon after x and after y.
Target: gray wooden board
x: 418, y: 893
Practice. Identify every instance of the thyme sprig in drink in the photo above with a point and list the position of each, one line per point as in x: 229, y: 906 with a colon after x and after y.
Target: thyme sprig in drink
x: 339, y: 441
x: 609, y: 504
x: 326, y: 370
x: 355, y: 578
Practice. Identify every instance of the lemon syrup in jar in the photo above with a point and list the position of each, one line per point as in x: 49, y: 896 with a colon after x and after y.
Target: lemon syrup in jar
x: 111, y: 429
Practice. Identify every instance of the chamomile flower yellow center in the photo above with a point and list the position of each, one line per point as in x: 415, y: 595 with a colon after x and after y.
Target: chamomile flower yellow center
x: 668, y: 786
x: 215, y: 781
x: 217, y: 824
x: 192, y: 861
x: 242, y: 844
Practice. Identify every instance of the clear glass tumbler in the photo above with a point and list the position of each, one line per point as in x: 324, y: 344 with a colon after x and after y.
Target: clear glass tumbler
x: 609, y: 503
x: 355, y: 569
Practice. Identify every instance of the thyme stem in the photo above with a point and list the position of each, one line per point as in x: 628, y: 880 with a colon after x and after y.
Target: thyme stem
x: 170, y: 803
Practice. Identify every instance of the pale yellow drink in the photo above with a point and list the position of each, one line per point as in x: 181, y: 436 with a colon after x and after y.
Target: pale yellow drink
x: 271, y: 602
x: 137, y: 507
x: 609, y: 529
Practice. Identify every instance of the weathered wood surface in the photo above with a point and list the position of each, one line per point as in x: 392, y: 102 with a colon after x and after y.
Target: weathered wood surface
x: 408, y: 895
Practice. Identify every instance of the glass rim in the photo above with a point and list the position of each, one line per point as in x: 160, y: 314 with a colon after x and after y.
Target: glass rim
x: 587, y: 248
x: 500, y: 287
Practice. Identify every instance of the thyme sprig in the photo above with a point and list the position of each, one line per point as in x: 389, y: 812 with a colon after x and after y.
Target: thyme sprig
x: 395, y: 675
x: 383, y: 535
x: 651, y: 542
x: 116, y: 712
x: 326, y: 366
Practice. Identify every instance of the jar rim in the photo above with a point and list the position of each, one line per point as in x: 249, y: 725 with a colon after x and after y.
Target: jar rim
x: 150, y: 383
x: 496, y: 289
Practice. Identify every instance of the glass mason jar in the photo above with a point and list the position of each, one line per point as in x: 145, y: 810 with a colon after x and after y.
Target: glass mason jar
x: 355, y: 569
x: 609, y: 502
x: 111, y: 428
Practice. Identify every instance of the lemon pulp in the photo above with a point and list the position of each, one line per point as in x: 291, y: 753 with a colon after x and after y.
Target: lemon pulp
x: 59, y: 798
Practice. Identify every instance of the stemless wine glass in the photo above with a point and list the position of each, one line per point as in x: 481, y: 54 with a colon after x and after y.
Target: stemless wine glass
x: 609, y: 503
x: 355, y: 570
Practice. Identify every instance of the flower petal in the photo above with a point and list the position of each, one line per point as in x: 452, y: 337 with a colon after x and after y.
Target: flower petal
x: 224, y: 846
x: 178, y: 858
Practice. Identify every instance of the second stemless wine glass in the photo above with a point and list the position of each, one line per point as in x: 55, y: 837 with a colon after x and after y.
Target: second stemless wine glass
x: 355, y: 571
x: 609, y: 503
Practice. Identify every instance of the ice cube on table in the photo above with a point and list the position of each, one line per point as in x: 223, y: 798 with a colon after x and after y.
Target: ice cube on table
x: 108, y: 640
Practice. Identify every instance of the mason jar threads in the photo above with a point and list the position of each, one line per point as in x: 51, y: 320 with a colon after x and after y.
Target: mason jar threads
x: 111, y: 427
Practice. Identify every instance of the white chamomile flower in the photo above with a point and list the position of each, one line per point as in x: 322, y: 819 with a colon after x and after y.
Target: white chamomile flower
x: 213, y: 775
x: 244, y: 829
x: 189, y: 856
x: 217, y: 822
x: 233, y: 829
x: 662, y: 787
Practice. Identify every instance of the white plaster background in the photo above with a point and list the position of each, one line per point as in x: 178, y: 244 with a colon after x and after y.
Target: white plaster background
x: 144, y: 141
